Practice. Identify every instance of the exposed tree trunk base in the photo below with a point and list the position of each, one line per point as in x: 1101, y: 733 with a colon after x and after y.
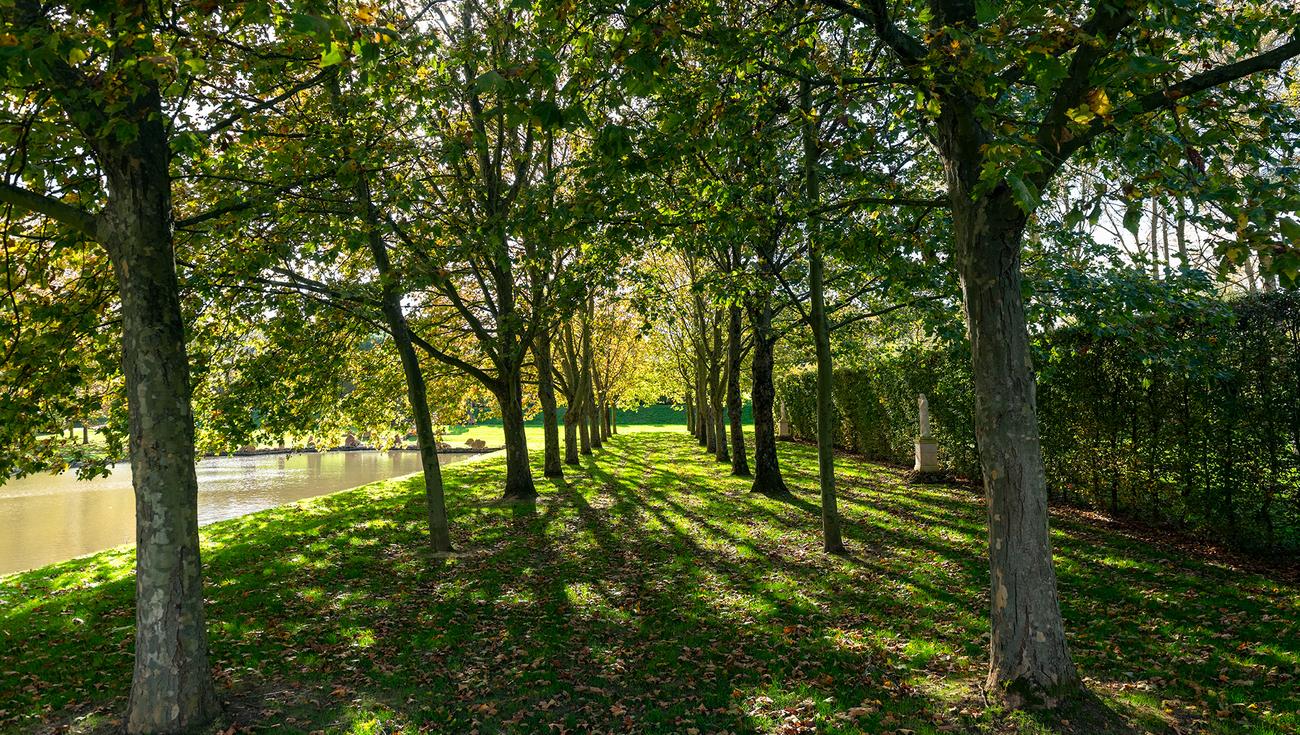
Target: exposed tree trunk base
x: 1030, y: 692
x: 524, y: 492
x: 552, y: 466
x: 519, y: 475
x: 771, y: 492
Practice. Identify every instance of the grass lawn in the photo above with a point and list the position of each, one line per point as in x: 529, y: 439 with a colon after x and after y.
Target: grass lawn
x: 652, y: 593
x: 456, y: 436
x: 646, y: 418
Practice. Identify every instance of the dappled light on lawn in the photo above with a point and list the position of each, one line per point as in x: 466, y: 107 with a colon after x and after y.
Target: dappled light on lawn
x: 650, y: 591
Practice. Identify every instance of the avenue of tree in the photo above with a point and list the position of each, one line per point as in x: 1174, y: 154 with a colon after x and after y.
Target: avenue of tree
x: 225, y: 223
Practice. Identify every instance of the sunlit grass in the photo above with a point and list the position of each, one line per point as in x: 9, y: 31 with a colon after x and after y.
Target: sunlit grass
x: 652, y: 592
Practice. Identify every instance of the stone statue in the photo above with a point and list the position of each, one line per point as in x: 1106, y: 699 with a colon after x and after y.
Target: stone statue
x: 923, y: 407
x: 927, y: 449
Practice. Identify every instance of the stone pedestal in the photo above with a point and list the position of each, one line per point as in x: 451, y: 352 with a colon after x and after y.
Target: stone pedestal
x: 927, y: 455
x: 783, y: 430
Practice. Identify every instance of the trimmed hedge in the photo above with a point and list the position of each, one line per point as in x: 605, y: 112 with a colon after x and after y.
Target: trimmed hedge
x: 875, y: 405
x: 1191, y: 420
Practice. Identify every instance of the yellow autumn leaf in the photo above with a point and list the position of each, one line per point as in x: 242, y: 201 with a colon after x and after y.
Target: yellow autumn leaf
x: 1099, y: 101
x: 1082, y: 114
x: 366, y: 14
x: 8, y: 39
x: 76, y: 56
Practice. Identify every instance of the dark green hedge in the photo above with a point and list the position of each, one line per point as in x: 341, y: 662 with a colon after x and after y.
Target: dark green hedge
x: 875, y: 405
x: 1191, y: 419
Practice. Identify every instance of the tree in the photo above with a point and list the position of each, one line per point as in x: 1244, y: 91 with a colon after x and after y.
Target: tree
x: 494, y: 132
x: 127, y: 141
x: 391, y: 293
x: 1066, y: 79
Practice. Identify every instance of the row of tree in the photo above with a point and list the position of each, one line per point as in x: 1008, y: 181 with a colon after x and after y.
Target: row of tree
x: 490, y: 187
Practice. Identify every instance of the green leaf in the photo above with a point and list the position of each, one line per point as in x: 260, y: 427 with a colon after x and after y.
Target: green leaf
x: 1026, y: 197
x: 1133, y: 216
x: 547, y: 114
x: 491, y: 81
x: 334, y: 55
x: 1290, y: 230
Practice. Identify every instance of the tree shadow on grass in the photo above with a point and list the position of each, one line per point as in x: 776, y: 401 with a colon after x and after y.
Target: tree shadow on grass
x: 648, y: 591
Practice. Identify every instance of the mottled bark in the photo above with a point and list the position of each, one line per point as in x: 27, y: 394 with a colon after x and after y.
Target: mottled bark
x: 519, y: 475
x: 735, y: 408
x: 171, y: 689
x: 552, y: 466
x: 767, y: 468
x: 1030, y: 661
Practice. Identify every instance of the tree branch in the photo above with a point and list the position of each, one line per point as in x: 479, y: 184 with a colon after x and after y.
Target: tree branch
x: 908, y: 49
x: 74, y: 217
x: 1169, y: 96
x: 470, y: 369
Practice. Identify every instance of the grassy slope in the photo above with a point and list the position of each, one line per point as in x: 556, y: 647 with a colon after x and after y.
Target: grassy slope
x: 652, y: 593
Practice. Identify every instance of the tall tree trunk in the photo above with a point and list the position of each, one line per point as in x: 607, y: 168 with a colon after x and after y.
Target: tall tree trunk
x: 426, y: 437
x: 584, y: 427
x: 571, y: 372
x: 591, y: 423
x: 1181, y: 234
x: 552, y: 467
x: 703, y: 421
x: 718, y: 392
x: 1155, y: 242
x: 1164, y: 238
x: 416, y: 389
x: 723, y: 453
x: 1030, y: 661
x: 171, y: 689
x: 767, y: 468
x: 519, y: 476
x: 735, y: 409
x: 711, y: 429
x: 690, y: 411
x: 593, y: 416
x: 572, y: 417
x: 832, y: 542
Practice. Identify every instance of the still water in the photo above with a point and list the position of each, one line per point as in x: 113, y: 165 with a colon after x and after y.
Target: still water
x: 50, y: 518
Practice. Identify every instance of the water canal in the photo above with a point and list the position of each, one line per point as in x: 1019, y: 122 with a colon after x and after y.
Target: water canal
x: 51, y: 518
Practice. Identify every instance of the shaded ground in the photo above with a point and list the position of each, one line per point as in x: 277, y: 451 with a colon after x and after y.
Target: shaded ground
x: 652, y: 593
